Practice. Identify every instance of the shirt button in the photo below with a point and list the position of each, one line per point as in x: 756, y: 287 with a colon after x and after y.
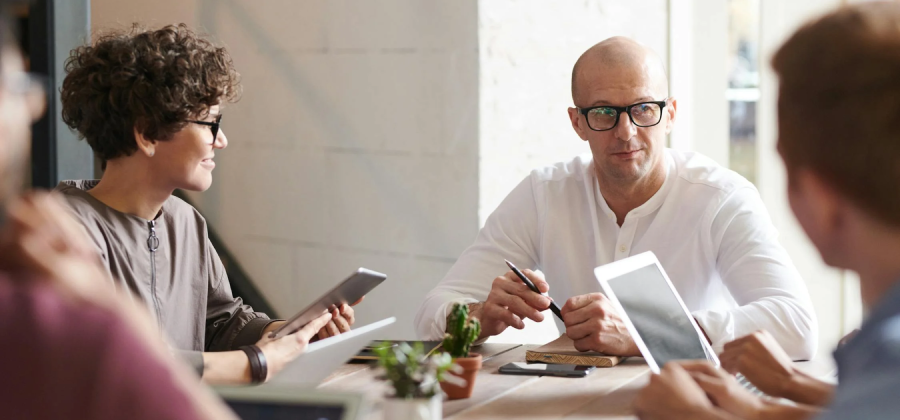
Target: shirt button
x: 622, y: 248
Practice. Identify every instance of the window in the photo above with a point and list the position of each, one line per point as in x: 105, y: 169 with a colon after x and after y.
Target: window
x: 743, y: 85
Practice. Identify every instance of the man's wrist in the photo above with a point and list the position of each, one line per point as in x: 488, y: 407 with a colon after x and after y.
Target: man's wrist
x: 713, y: 413
x: 474, y: 313
x: 805, y: 389
x: 475, y: 310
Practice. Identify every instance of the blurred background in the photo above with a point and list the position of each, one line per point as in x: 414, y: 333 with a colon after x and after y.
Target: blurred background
x: 383, y: 133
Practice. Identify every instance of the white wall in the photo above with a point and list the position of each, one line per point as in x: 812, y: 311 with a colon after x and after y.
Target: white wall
x: 527, y: 50
x: 355, y: 142
x: 381, y: 134
x: 698, y: 76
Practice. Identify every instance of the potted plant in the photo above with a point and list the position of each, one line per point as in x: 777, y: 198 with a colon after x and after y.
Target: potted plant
x: 461, y: 333
x: 415, y: 378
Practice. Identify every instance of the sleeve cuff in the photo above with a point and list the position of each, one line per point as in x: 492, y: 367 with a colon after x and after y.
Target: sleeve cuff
x: 251, y: 332
x: 719, y: 330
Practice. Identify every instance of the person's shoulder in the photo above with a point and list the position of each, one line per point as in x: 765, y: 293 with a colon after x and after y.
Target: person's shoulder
x: 83, y: 206
x: 181, y: 211
x: 695, y: 169
x: 887, y: 343
x: 572, y: 170
x: 74, y: 192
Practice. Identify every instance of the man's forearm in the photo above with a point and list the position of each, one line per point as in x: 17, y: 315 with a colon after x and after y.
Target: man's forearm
x: 775, y: 411
x: 805, y: 389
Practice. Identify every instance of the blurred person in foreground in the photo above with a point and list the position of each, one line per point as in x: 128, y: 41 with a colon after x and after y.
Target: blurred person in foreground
x: 71, y: 349
x: 839, y: 137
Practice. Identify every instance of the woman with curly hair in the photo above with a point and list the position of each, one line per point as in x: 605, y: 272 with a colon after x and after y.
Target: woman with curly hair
x: 149, y: 103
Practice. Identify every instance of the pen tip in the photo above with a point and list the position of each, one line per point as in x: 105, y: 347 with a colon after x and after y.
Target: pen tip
x: 508, y: 263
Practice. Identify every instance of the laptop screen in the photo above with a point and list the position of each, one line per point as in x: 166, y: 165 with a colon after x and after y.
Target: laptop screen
x: 285, y: 411
x: 657, y: 315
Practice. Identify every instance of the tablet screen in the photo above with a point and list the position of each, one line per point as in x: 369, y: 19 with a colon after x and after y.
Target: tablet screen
x: 285, y: 411
x: 657, y: 315
x: 348, y: 291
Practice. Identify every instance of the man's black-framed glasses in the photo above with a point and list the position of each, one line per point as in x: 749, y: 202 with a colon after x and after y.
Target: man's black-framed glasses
x: 642, y: 114
x: 213, y: 126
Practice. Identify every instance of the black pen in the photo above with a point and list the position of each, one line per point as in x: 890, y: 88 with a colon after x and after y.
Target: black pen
x: 553, y: 306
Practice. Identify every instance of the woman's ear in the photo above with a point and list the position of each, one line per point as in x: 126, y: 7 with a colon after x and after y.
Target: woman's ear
x: 145, y: 145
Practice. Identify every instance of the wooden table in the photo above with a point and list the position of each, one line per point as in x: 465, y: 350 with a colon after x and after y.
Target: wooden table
x: 606, y: 393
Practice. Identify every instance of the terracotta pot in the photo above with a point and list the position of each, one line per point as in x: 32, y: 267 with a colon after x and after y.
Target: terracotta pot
x: 470, y: 366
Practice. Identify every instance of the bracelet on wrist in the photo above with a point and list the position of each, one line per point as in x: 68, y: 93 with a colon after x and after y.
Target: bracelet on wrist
x: 259, y: 370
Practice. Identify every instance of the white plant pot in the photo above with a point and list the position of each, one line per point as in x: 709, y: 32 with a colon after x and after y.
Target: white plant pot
x: 413, y: 409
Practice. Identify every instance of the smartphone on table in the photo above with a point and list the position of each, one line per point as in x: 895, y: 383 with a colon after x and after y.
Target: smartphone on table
x: 546, y: 369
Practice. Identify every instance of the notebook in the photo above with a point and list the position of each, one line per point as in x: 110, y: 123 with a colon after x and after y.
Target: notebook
x: 368, y: 353
x: 562, y: 350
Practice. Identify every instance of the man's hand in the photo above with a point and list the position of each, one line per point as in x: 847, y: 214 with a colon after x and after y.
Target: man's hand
x: 761, y: 360
x: 724, y: 390
x: 673, y: 394
x: 509, y: 302
x: 593, y: 324
x: 341, y: 319
x: 280, y: 351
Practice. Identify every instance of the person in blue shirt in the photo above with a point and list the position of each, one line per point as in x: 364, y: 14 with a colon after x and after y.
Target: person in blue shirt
x: 839, y: 137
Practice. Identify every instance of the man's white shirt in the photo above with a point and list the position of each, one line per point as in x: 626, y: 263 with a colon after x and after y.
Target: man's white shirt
x: 707, y: 226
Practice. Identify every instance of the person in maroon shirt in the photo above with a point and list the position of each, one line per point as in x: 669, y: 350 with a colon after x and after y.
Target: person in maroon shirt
x: 72, y: 347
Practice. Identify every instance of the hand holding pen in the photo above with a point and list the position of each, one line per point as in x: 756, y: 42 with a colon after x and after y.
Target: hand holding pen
x: 510, y: 301
x: 553, y: 306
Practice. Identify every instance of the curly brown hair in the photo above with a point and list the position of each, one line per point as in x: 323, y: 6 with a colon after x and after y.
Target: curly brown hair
x: 149, y: 80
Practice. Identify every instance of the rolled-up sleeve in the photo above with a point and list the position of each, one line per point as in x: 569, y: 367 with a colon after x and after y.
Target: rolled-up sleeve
x: 509, y: 233
x: 230, y: 323
x: 761, y: 278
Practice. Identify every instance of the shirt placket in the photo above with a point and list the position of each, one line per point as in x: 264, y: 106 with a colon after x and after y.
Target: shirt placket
x: 625, y: 237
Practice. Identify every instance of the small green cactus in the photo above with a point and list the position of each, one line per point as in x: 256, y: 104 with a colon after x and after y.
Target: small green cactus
x: 461, y: 331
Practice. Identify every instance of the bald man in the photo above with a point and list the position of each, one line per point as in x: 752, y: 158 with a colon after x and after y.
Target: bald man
x: 706, y: 224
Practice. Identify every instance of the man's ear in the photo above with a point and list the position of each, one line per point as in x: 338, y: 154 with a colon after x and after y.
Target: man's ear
x: 672, y: 109
x: 577, y: 123
x: 145, y: 145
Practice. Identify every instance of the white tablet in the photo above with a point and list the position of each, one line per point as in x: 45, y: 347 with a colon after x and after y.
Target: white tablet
x: 348, y: 291
x: 657, y: 319
x: 322, y: 357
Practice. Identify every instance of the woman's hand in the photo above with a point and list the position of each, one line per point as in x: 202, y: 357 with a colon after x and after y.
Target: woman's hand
x: 281, y: 351
x: 342, y: 318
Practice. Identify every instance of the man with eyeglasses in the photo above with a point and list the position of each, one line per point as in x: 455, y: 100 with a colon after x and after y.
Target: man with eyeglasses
x: 706, y: 224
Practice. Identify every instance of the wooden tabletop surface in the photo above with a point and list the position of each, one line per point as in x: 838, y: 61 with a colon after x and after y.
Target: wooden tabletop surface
x: 607, y: 393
